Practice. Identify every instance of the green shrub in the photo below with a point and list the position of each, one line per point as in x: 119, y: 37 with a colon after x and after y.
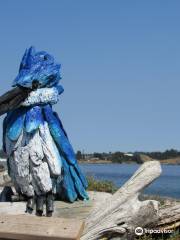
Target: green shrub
x: 101, y: 186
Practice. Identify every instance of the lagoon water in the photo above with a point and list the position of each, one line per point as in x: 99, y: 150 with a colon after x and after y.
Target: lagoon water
x: 168, y: 184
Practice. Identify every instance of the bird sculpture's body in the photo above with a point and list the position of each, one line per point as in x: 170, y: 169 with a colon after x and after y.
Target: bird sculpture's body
x: 41, y: 160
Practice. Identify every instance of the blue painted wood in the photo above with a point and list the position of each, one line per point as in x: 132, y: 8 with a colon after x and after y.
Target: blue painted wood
x: 33, y: 119
x: 60, y: 123
x: 15, y: 123
x: 72, y: 173
x: 65, y: 189
x: 81, y: 175
x: 78, y: 184
x: 39, y: 67
x: 59, y: 135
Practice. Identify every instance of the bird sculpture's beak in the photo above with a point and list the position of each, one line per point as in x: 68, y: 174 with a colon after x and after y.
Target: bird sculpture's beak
x: 12, y: 99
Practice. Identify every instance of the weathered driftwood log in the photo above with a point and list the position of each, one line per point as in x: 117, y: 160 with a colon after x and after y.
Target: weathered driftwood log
x: 121, y: 213
x: 169, y: 215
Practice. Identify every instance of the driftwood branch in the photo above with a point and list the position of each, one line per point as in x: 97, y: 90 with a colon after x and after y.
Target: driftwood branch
x: 121, y: 213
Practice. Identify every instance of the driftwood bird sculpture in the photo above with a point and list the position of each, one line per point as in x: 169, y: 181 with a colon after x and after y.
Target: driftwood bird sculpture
x: 41, y: 160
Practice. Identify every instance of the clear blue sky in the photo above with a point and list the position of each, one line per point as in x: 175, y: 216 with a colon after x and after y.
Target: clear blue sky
x: 120, y: 67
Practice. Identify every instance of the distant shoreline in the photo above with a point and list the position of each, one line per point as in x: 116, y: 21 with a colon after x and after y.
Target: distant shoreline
x: 163, y: 162
x: 95, y: 161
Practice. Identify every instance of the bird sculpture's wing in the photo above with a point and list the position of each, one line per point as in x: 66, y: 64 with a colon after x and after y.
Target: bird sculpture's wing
x: 74, y: 183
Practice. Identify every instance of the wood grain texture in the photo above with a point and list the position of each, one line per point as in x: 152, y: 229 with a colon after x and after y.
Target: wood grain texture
x: 22, y: 227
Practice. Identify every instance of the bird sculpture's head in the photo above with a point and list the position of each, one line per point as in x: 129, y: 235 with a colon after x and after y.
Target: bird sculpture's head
x: 37, y: 70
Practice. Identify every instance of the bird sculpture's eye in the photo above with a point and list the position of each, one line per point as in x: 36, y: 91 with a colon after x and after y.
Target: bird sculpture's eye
x: 35, y: 84
x: 45, y: 58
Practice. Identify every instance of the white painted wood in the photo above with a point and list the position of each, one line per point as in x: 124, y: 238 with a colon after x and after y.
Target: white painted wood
x: 42, y: 96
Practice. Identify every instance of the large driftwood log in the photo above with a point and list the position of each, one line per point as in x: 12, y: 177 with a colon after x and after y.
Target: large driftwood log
x: 121, y: 213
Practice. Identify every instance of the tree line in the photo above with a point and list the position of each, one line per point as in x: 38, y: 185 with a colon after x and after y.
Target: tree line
x: 119, y: 157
